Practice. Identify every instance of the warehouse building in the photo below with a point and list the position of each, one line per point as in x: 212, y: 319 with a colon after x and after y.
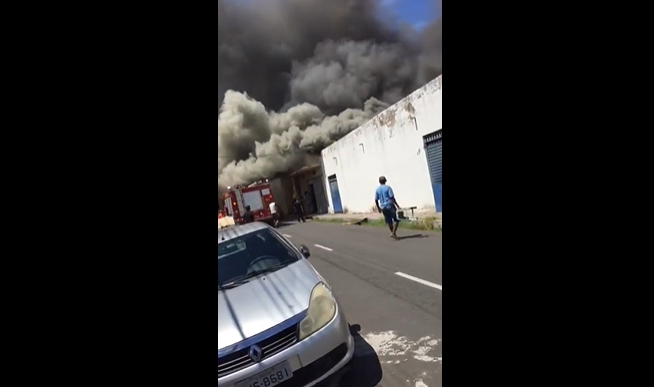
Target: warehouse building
x: 305, y: 183
x: 404, y: 143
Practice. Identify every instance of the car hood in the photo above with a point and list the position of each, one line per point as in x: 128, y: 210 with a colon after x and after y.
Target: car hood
x: 264, y: 303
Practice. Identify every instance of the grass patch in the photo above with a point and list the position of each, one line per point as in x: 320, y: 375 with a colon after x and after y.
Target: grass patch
x: 427, y: 224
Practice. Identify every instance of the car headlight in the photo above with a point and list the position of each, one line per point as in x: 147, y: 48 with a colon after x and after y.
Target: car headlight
x: 322, y: 309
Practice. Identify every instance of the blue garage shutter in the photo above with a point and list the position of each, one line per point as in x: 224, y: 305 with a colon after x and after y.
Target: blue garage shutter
x: 434, y: 150
x: 435, y: 161
x: 434, y: 153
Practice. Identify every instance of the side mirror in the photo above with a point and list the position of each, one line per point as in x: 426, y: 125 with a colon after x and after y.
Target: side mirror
x: 305, y: 251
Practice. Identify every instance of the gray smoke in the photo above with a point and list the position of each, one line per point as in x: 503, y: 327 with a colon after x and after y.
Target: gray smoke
x: 306, y: 73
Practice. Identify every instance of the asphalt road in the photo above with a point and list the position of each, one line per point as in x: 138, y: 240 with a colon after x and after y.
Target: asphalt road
x: 391, y: 292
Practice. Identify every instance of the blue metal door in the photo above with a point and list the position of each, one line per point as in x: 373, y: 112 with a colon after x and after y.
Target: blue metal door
x: 434, y: 152
x: 336, y: 195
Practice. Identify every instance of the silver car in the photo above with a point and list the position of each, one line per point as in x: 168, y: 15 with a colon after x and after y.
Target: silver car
x: 278, y: 321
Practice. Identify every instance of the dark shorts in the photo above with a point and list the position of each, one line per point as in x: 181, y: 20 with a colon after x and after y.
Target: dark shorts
x: 390, y: 216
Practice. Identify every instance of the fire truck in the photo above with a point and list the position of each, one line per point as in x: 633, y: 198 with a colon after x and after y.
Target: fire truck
x: 258, y: 196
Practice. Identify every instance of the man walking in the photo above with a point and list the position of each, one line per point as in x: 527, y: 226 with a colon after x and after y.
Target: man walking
x: 387, y: 205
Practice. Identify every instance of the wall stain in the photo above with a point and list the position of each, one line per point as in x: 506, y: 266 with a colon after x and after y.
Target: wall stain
x: 409, y: 108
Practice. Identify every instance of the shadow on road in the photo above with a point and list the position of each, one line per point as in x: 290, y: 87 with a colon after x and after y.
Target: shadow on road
x: 286, y: 223
x: 416, y: 236
x: 365, y: 369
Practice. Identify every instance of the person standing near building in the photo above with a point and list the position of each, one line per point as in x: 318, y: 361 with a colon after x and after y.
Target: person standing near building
x: 299, y: 210
x: 387, y: 205
x: 248, y: 216
x: 275, y: 214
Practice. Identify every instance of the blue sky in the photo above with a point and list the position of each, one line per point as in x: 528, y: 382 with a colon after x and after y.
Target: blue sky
x: 414, y: 12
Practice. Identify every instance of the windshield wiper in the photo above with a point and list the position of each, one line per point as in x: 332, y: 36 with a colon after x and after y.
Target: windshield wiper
x: 232, y: 285
x: 246, y: 278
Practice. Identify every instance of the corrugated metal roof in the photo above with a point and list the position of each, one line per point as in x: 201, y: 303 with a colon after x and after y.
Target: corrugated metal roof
x: 302, y: 170
x: 229, y: 233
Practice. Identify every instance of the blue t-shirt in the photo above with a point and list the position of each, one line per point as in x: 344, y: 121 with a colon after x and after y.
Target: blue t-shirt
x: 384, y: 195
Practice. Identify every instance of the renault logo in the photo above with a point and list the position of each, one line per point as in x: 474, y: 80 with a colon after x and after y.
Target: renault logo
x: 256, y: 353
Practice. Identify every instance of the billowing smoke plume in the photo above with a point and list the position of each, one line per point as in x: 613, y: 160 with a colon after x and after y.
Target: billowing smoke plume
x: 306, y: 73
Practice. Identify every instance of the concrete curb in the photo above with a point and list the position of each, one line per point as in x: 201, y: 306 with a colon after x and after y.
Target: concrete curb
x: 437, y: 225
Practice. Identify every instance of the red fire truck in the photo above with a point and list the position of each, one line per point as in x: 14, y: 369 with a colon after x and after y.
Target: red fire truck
x: 258, y: 196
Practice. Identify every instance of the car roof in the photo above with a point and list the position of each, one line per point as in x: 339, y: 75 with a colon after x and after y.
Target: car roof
x: 229, y: 233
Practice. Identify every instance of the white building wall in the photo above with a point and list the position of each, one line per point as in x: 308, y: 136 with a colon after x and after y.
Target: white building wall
x: 391, y: 144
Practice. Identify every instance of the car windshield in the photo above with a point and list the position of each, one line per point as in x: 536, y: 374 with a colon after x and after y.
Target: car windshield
x: 243, y: 258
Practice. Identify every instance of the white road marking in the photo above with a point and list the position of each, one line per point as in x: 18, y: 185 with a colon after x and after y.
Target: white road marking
x: 287, y: 236
x: 324, y: 248
x: 420, y: 281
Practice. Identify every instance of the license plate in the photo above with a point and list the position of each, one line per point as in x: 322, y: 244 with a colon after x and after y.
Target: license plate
x: 269, y: 378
